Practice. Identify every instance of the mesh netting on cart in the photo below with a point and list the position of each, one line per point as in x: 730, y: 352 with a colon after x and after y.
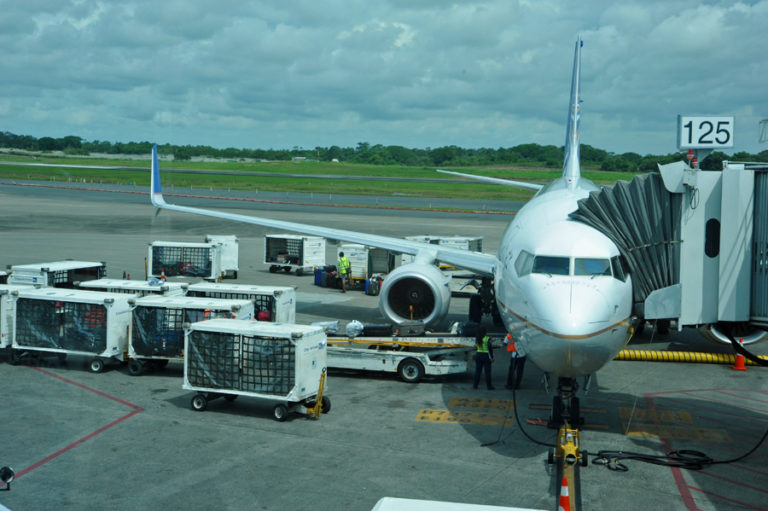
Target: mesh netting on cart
x: 188, y: 261
x: 260, y: 302
x: 61, y: 325
x: 244, y: 363
x: 158, y: 331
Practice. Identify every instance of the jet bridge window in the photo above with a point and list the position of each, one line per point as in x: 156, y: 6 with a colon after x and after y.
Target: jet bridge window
x: 591, y: 267
x: 551, y: 265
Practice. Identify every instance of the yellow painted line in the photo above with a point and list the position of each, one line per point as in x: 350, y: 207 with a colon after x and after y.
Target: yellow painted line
x: 646, y: 415
x: 477, y: 403
x: 638, y: 429
x: 466, y: 418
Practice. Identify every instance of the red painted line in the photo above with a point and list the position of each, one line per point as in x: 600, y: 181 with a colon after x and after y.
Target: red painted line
x: 744, y: 504
x: 136, y: 409
x: 263, y: 201
x: 733, y: 394
x: 737, y: 483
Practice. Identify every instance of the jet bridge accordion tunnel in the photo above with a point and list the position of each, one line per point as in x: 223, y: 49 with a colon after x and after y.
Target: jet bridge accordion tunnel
x: 695, y: 243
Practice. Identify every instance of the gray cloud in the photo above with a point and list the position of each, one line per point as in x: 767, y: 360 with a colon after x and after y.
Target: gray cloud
x: 418, y: 73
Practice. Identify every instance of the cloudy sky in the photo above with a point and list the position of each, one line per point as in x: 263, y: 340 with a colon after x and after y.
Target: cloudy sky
x: 416, y: 73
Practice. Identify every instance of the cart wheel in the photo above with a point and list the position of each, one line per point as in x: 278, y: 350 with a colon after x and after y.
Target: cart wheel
x: 15, y: 357
x: 96, y: 365
x: 325, y: 407
x: 273, y: 268
x: 280, y: 413
x: 199, y: 402
x: 230, y: 397
x: 287, y: 269
x: 299, y: 271
x: 161, y: 362
x: 410, y: 370
x: 135, y: 367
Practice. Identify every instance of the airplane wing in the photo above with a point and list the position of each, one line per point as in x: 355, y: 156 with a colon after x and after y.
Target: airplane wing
x: 496, y: 180
x: 477, y: 262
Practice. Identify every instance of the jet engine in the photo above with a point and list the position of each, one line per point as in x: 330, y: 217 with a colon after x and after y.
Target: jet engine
x: 416, y: 291
x: 749, y: 334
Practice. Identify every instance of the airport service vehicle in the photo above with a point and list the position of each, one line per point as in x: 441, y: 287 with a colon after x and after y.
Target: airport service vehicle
x: 72, y: 321
x: 56, y: 273
x: 367, y: 261
x: 280, y: 363
x: 135, y: 287
x: 270, y: 303
x: 293, y: 251
x: 157, y: 333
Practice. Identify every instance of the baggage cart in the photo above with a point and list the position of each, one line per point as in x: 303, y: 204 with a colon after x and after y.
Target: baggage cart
x: 137, y: 288
x: 72, y: 321
x: 8, y: 295
x: 230, y: 258
x: 288, y: 251
x: 157, y: 333
x: 177, y: 259
x: 270, y: 303
x: 367, y: 261
x: 56, y: 273
x: 283, y: 364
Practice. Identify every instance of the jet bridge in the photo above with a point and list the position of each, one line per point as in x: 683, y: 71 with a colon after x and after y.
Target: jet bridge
x: 695, y: 243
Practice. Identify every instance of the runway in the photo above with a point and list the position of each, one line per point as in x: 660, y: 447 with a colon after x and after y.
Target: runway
x: 86, y: 441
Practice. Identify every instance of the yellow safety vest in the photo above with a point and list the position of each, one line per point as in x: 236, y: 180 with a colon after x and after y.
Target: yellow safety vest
x: 483, y: 348
x: 343, y: 265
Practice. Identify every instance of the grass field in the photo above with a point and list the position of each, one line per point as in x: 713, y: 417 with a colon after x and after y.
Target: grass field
x: 334, y: 177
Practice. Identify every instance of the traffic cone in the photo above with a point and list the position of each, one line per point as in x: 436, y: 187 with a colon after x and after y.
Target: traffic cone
x: 741, y: 363
x: 565, y: 500
x: 162, y: 274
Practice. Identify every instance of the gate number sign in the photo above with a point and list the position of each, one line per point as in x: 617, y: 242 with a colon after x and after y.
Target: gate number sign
x: 704, y: 132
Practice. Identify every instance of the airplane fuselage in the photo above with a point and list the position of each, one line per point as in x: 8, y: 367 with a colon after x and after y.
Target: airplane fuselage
x: 560, y: 286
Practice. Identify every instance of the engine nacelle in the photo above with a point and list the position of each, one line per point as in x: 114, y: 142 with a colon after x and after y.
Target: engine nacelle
x: 748, y: 333
x: 415, y: 291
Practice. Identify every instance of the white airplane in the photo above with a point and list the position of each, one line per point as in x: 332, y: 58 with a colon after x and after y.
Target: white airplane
x: 560, y: 285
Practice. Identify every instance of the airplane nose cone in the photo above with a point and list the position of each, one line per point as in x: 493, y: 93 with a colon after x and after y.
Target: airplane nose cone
x: 576, y: 308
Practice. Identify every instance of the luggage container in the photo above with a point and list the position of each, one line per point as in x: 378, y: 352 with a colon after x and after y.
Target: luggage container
x: 72, y: 321
x: 137, y: 288
x: 56, y: 273
x: 230, y: 255
x: 8, y: 313
x: 281, y: 363
x: 270, y: 303
x: 157, y: 333
x: 366, y: 261
x: 172, y: 259
x: 288, y: 251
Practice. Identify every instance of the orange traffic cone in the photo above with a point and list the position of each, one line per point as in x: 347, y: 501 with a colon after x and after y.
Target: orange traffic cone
x: 565, y: 500
x: 162, y: 274
x: 741, y: 363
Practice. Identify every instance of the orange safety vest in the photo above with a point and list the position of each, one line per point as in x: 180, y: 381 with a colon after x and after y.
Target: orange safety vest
x: 511, y: 344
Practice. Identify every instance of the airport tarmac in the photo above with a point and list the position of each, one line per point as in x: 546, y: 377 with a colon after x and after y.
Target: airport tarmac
x: 86, y: 441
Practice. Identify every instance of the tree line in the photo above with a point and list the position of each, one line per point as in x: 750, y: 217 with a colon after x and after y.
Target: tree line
x: 533, y: 155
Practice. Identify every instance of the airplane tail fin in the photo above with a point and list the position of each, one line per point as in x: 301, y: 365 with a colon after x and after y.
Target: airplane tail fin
x: 156, y: 191
x: 571, y: 167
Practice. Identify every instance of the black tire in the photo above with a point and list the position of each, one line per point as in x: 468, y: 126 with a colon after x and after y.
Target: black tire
x: 325, y: 407
x: 273, y: 269
x: 14, y: 358
x: 160, y: 362
x: 287, y: 269
x: 280, y: 413
x: 135, y: 367
x: 299, y: 271
x: 230, y: 397
x: 199, y: 402
x: 96, y: 365
x: 410, y: 370
x: 475, y: 309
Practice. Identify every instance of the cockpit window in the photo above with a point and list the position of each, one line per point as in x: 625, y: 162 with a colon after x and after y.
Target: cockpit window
x: 523, y: 263
x: 592, y: 267
x: 551, y: 265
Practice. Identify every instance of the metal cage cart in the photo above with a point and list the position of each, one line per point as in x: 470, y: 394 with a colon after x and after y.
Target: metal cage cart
x: 270, y: 303
x: 157, y: 333
x: 71, y: 321
x: 367, y: 261
x: 177, y: 259
x: 8, y: 295
x: 135, y: 287
x: 56, y: 273
x: 285, y: 364
x: 288, y: 251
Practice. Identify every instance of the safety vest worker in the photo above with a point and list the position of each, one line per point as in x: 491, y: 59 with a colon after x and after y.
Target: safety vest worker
x: 343, y: 264
x: 483, y: 346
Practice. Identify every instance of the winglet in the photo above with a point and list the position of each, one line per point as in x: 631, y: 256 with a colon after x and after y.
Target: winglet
x: 571, y: 168
x: 156, y: 191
